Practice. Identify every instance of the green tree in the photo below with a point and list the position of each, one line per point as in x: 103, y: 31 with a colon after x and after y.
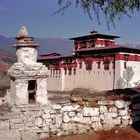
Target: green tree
x: 112, y: 9
x: 128, y: 74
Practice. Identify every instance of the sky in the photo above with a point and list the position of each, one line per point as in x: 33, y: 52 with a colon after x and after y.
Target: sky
x: 36, y: 15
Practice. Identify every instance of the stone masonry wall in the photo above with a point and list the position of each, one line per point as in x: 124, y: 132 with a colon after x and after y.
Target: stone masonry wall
x: 33, y: 122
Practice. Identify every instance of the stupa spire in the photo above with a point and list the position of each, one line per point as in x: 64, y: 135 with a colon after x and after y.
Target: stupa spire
x: 23, y: 32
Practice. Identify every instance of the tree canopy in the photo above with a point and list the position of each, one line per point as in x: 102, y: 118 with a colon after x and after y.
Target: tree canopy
x: 112, y: 9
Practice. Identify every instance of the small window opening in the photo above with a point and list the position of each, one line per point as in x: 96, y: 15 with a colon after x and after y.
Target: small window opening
x: 80, y: 65
x: 99, y: 66
x: 74, y: 71
x: 125, y: 64
x: 89, y: 66
x: 69, y: 71
x: 32, y: 91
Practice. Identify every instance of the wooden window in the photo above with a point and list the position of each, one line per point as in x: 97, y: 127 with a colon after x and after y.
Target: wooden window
x: 65, y: 71
x: 69, y: 71
x: 98, y: 65
x: 89, y: 66
x: 53, y: 71
x: 74, y: 71
x: 106, y: 66
x: 80, y: 65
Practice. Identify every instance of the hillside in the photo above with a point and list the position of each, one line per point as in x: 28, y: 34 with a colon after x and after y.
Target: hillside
x: 3, y: 67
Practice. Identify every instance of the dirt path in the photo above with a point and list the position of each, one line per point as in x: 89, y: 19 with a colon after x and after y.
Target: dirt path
x: 119, y: 134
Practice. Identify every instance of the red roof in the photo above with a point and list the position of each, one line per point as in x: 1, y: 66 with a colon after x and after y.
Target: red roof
x: 48, y: 57
x: 106, y: 48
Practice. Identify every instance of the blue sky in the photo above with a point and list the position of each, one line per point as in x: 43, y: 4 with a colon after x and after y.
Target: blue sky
x: 36, y: 15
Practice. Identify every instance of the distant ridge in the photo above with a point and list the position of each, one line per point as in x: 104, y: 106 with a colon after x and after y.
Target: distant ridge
x: 47, y: 45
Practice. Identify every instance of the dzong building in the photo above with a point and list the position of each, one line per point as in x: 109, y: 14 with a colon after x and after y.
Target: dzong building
x: 97, y: 63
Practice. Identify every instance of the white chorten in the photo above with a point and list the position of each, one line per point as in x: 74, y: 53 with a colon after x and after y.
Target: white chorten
x: 28, y: 77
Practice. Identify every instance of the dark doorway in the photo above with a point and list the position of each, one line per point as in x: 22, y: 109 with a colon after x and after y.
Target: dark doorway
x: 32, y: 91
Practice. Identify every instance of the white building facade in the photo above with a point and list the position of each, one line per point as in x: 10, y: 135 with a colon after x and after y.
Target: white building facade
x: 97, y: 63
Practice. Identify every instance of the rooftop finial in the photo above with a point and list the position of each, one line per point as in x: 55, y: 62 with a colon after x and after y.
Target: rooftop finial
x: 23, y: 32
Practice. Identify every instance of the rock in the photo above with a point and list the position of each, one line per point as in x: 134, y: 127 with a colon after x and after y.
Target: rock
x: 66, y: 118
x: 108, y: 126
x: 29, y: 135
x: 108, y: 121
x: 86, y: 120
x: 80, y: 119
x: 82, y: 128
x: 57, y: 119
x: 43, y: 135
x: 120, y: 104
x: 125, y: 123
x: 10, y: 135
x: 56, y: 106
x: 39, y: 122
x: 55, y: 129
x: 114, y: 114
x: 4, y: 125
x: 45, y: 129
x: 70, y: 108
x: 126, y: 117
x: 103, y: 109
x: 48, y: 121
x: 69, y: 127
x: 46, y: 116
x: 18, y: 126
x: 17, y: 120
x: 71, y: 114
x: 105, y: 102
x: 113, y: 109
x: 90, y: 112
x: 95, y: 119
x: 117, y: 121
x: 75, y: 98
x: 123, y: 112
x: 97, y: 126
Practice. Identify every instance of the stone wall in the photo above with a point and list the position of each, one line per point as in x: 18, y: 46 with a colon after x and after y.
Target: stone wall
x: 32, y: 122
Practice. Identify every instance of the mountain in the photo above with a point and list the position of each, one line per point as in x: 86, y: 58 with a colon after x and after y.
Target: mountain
x: 58, y: 45
x: 133, y: 45
x: 47, y: 45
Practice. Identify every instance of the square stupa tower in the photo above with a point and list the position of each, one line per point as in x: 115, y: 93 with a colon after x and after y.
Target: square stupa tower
x: 28, y: 77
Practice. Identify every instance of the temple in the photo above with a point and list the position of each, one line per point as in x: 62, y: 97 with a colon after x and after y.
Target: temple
x: 97, y: 63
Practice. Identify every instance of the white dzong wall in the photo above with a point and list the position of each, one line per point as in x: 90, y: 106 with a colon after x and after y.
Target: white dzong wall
x: 96, y: 79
